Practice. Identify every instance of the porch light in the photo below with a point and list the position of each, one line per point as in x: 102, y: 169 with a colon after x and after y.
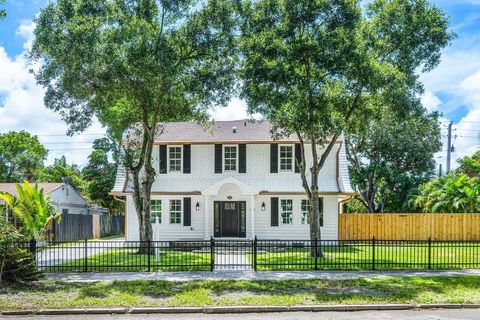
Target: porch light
x: 263, y: 206
x: 197, y: 206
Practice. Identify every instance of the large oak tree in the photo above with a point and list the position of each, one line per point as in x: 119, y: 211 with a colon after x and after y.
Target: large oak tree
x: 311, y: 66
x: 135, y: 64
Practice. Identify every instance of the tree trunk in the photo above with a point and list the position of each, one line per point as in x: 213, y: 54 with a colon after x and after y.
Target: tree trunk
x: 315, y: 234
x: 142, y: 192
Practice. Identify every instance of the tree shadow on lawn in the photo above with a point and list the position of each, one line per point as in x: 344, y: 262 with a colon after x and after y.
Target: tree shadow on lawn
x: 391, y: 289
x: 318, y: 291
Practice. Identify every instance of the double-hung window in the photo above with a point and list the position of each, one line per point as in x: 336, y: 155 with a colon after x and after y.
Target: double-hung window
x: 175, y: 211
x: 174, y: 158
x: 305, y: 206
x: 304, y: 211
x: 156, y: 210
x: 286, y: 158
x: 286, y: 207
x: 230, y: 158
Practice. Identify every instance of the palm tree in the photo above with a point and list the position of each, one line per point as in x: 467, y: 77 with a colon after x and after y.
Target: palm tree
x: 33, y: 208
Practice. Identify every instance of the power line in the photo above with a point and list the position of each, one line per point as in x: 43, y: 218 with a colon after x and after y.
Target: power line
x: 64, y: 135
x: 67, y: 142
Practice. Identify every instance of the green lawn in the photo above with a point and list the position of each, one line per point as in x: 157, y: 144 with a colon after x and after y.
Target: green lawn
x: 124, y: 259
x: 360, y: 257
x: 47, y: 294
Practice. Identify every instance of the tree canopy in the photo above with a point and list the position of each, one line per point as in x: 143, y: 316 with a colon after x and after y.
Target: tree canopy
x: 135, y: 63
x: 100, y: 174
x: 61, y: 171
x: 391, y: 156
x: 3, y: 13
x: 20, y: 155
x: 311, y: 66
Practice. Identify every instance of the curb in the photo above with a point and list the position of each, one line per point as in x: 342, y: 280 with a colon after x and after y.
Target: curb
x: 240, y: 309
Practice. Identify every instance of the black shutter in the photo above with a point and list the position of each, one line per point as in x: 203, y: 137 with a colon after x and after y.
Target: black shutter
x: 218, y: 158
x: 163, y: 158
x: 274, y: 212
x: 242, y: 158
x: 187, y: 212
x: 273, y: 158
x: 320, y: 210
x: 298, y: 157
x: 186, y: 158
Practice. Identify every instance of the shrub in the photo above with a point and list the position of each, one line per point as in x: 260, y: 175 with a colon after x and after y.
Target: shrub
x: 16, y: 263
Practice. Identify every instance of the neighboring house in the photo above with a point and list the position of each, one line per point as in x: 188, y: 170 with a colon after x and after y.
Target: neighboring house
x: 64, y: 197
x: 233, y: 181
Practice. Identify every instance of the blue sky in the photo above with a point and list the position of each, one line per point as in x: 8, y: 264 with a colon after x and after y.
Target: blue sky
x: 453, y: 88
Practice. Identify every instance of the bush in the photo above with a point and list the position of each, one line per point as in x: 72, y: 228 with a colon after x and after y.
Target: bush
x: 16, y: 264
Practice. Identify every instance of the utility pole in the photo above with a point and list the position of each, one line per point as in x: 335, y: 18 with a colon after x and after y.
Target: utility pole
x: 440, y: 170
x: 449, y: 146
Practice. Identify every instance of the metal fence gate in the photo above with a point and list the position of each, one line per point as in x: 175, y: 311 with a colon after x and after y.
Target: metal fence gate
x: 233, y: 255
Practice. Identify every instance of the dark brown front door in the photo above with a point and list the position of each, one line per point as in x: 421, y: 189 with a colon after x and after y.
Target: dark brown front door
x: 229, y: 219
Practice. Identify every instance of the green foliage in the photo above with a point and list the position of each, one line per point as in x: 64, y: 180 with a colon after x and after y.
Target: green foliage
x: 354, y: 206
x: 33, y: 209
x: 458, y: 191
x: 471, y: 165
x: 390, y: 156
x: 3, y: 13
x: 20, y: 155
x: 100, y: 175
x: 61, y: 171
x: 15, y: 264
x: 134, y: 64
x: 454, y: 192
x: 310, y: 67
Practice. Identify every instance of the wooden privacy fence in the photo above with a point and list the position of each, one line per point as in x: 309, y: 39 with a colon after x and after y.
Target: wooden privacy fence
x: 79, y: 227
x: 409, y: 226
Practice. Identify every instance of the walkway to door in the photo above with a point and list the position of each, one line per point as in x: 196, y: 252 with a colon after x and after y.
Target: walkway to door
x: 233, y: 255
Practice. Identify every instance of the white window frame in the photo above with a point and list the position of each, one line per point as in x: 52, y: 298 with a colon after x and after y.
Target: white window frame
x: 158, y: 214
x: 304, y: 219
x: 286, y: 211
x: 180, y: 211
x: 292, y: 159
x: 181, y: 158
x: 224, y: 158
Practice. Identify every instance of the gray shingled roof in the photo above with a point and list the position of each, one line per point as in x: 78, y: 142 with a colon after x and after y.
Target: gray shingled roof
x: 11, y: 188
x: 219, y: 131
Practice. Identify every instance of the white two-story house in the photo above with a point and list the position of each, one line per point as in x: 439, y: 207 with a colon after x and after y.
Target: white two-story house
x: 232, y: 180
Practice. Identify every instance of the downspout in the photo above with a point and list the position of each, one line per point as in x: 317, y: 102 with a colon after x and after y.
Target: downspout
x: 340, y: 203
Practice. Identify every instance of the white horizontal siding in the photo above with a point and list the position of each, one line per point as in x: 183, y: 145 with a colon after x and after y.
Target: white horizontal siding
x: 258, y: 174
x: 202, y: 225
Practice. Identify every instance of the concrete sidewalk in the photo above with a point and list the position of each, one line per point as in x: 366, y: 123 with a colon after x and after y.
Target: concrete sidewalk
x: 247, y: 275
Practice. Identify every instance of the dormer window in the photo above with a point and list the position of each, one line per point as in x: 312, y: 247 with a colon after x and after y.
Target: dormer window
x: 286, y: 158
x: 230, y: 158
x: 174, y: 158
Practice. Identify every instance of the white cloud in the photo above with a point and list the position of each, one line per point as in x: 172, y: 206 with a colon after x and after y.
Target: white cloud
x: 22, y: 108
x: 25, y: 30
x: 467, y: 131
x: 430, y: 101
x: 236, y: 110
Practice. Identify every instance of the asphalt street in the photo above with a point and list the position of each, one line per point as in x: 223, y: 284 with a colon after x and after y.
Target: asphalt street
x: 462, y: 314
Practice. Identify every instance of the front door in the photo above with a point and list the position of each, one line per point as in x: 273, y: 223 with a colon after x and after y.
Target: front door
x: 230, y: 225
x: 230, y: 219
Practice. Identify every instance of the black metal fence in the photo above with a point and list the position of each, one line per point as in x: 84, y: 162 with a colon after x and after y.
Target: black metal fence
x: 210, y: 255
